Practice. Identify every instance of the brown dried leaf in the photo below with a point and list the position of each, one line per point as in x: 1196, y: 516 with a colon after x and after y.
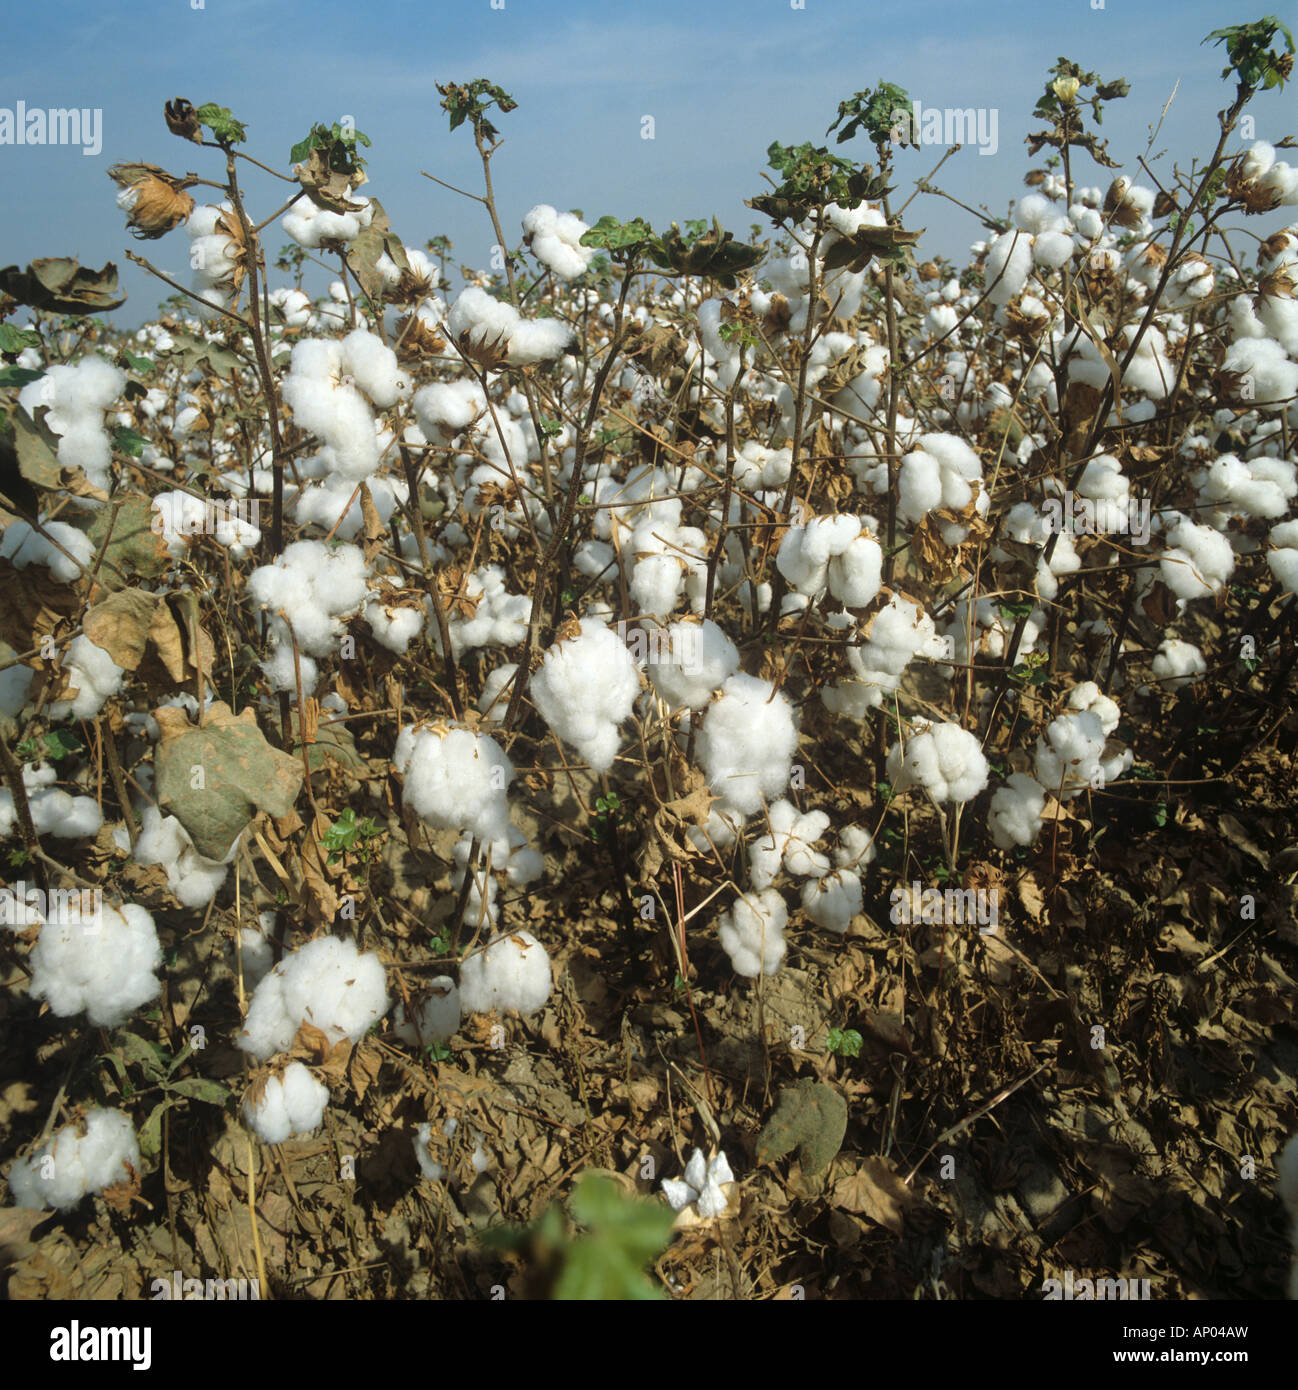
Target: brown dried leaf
x: 876, y: 1192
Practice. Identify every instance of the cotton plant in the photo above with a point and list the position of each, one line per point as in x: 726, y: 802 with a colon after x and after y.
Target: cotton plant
x: 455, y: 779
x: 102, y: 964
x: 327, y: 983
x: 279, y: 1107
x: 90, y: 1155
x: 512, y: 971
x: 947, y: 763
x: 752, y: 933
x: 584, y: 688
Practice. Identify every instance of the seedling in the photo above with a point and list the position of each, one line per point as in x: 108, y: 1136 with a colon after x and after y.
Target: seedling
x: 347, y: 835
x: 844, y: 1042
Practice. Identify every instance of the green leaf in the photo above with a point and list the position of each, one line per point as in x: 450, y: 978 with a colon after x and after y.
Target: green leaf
x: 143, y: 365
x: 19, y: 376
x: 199, y: 1088
x: 221, y: 122
x: 150, y: 1057
x: 16, y: 339
x: 150, y: 1135
x: 129, y: 441
x: 612, y: 235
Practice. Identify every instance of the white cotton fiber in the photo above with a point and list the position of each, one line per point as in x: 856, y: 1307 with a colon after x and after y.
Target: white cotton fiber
x: 752, y: 933
x: 327, y: 983
x: 194, y: 879
x: 478, y: 321
x: 946, y: 761
x: 1014, y: 815
x: 455, y: 779
x: 831, y: 902
x: 94, y: 677
x: 555, y: 239
x: 101, y: 1156
x: 103, y: 964
x: 21, y: 545
x: 511, y: 972
x: 787, y: 845
x: 692, y: 660
x: 1177, y: 664
x: 437, y: 1014
x: 585, y: 687
x: 746, y: 743
x: 286, y: 1105
x: 1197, y: 561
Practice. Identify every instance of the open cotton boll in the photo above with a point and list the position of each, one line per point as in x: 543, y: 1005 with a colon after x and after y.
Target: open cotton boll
x: 192, y: 877
x: 1014, y: 815
x: 584, y: 688
x: 691, y: 660
x: 1260, y: 487
x: 555, y: 241
x: 1088, y: 695
x: 15, y: 682
x: 286, y: 1105
x: 831, y: 902
x: 80, y: 1158
x: 704, y: 1184
x: 746, y: 743
x: 455, y: 779
x: 21, y: 545
x: 946, y: 761
x: 1197, y: 561
x: 94, y: 677
x: 1268, y: 379
x: 103, y: 964
x: 942, y: 472
x: 752, y: 933
x: 511, y: 972
x: 1069, y: 754
x: 77, y: 397
x: 787, y: 844
x: 898, y: 633
x: 327, y: 983
x: 1282, y: 561
x: 312, y: 226
x: 1178, y: 664
x: 1009, y: 262
x: 485, y: 325
x: 436, y: 1017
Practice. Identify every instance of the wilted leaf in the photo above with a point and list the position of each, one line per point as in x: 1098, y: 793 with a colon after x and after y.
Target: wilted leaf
x: 63, y: 286
x: 199, y: 1088
x: 875, y: 1191
x: 214, y: 776
x: 375, y: 241
x: 134, y: 548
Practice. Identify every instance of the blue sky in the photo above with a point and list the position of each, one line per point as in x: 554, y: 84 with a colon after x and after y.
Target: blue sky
x: 720, y: 78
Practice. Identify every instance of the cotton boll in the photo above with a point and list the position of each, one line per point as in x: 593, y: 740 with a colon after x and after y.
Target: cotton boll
x: 455, y: 779
x: 255, y: 951
x: 584, y: 688
x: 787, y: 844
x: 1069, y: 754
x: 752, y: 933
x: 704, y: 1185
x: 1009, y: 261
x: 21, y: 545
x: 437, y: 1015
x: 193, y: 878
x: 555, y: 241
x: 511, y: 972
x: 1283, y: 560
x: 831, y: 902
x: 692, y: 660
x: 1197, y: 561
x: 746, y: 743
x: 1015, y: 813
x: 489, y: 326
x: 282, y: 1106
x: 946, y: 761
x: 15, y: 682
x: 1052, y: 249
x: 1269, y: 380
x: 94, y: 677
x: 103, y: 965
x: 327, y: 983
x: 89, y: 1156
x: 1178, y: 664
x: 1087, y: 695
